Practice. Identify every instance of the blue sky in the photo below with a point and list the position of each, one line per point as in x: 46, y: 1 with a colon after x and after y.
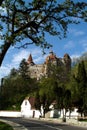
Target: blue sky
x: 75, y: 45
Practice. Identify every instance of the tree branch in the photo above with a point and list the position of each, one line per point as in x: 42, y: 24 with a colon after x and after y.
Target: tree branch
x: 1, y: 2
x: 4, y: 50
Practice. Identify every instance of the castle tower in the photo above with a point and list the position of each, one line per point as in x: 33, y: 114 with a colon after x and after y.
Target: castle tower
x: 67, y: 61
x: 42, y: 70
x: 51, y: 58
x: 30, y: 60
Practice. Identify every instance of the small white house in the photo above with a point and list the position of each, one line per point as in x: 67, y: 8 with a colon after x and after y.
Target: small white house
x: 55, y: 113
x: 28, y: 108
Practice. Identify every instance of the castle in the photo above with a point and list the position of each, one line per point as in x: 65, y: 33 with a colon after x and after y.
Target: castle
x: 39, y: 70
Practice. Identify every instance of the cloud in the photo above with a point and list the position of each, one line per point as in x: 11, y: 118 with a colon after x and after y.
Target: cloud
x: 69, y: 45
x: 83, y: 43
x: 85, y: 46
x: 24, y: 54
x: 4, y: 70
x: 76, y: 32
x: 40, y: 59
x: 37, y: 55
x: 79, y: 33
x: 17, y: 58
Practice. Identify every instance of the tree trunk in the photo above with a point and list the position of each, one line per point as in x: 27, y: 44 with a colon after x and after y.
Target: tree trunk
x: 64, y: 115
x: 4, y: 50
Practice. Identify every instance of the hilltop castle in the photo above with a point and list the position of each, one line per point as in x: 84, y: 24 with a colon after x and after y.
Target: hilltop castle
x: 40, y: 70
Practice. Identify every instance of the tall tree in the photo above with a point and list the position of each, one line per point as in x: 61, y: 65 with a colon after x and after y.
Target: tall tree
x: 13, y: 72
x: 46, y: 92
x: 23, y: 69
x: 37, y: 101
x: 67, y: 100
x: 32, y: 20
x: 82, y: 87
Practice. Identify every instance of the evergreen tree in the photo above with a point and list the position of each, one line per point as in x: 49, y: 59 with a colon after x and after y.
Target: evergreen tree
x: 23, y: 69
x: 13, y: 72
x: 82, y: 87
x: 37, y: 101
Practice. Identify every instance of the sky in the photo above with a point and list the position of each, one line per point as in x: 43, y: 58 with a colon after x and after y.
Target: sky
x: 75, y: 44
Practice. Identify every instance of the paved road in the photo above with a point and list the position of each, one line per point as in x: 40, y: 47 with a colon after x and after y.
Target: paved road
x: 42, y: 125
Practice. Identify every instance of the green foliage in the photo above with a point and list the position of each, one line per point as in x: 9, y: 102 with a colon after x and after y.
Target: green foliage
x: 67, y: 93
x: 67, y: 99
x: 37, y: 101
x: 79, y: 87
x: 23, y: 69
x: 46, y: 92
x: 4, y: 126
x: 13, y: 72
x: 59, y: 95
x: 82, y: 85
x: 16, y: 88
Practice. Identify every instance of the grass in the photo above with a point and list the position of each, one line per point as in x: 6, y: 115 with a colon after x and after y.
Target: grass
x: 4, y: 126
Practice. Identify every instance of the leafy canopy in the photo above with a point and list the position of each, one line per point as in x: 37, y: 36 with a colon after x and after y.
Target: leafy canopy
x: 33, y: 20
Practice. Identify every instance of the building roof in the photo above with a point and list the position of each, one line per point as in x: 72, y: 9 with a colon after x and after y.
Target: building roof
x: 32, y: 102
x: 30, y: 60
x: 66, y: 56
x: 52, y: 57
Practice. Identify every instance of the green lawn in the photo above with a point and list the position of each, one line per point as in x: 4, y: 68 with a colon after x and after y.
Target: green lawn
x: 4, y: 126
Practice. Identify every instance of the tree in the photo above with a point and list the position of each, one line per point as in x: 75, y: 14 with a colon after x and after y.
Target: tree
x: 46, y: 92
x: 13, y: 72
x: 33, y: 20
x: 82, y: 88
x: 37, y: 101
x: 16, y: 88
x: 23, y: 69
x: 67, y: 101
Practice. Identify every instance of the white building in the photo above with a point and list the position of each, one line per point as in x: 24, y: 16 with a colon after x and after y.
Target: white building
x: 28, y: 108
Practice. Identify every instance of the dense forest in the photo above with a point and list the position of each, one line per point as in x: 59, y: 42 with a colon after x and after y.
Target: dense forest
x: 69, y: 91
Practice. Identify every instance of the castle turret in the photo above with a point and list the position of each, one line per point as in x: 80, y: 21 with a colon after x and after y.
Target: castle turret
x: 67, y: 61
x: 30, y: 60
x: 42, y: 70
x: 51, y: 58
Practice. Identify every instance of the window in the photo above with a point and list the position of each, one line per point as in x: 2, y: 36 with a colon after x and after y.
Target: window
x: 25, y: 103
